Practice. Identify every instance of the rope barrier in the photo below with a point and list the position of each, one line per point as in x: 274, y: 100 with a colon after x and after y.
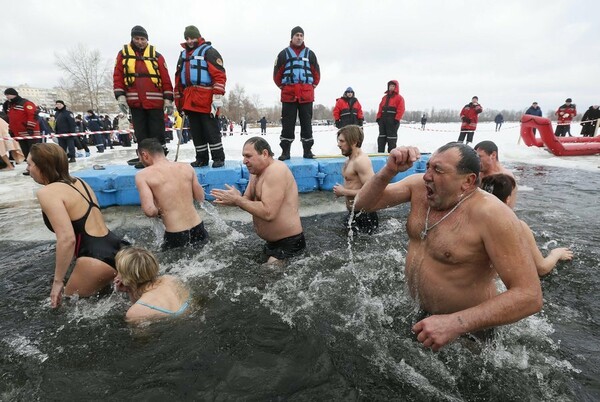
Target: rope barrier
x: 416, y: 126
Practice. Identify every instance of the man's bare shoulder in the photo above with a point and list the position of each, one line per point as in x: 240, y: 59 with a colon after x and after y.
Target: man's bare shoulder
x: 488, y: 208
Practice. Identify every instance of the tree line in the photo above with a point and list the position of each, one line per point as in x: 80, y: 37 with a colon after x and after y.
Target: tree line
x: 87, y: 84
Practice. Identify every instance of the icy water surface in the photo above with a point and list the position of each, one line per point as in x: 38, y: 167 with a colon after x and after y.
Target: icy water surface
x: 333, y: 325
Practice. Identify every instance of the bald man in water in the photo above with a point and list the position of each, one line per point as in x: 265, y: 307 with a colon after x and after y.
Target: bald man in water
x: 460, y: 239
x: 271, y: 198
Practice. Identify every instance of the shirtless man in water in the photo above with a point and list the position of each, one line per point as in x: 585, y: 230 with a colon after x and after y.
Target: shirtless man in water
x: 460, y: 238
x: 490, y: 164
x: 168, y: 190
x: 356, y: 171
x: 271, y: 198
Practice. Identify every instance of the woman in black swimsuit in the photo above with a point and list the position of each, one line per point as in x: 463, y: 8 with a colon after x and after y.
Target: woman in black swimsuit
x: 70, y: 209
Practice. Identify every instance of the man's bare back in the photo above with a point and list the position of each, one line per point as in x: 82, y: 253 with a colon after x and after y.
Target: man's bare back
x: 171, y: 188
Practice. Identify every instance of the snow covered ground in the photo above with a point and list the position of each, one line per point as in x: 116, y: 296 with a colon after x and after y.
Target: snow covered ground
x: 18, y: 189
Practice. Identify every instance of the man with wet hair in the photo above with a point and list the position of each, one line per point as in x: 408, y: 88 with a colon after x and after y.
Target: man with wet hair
x: 271, y: 197
x: 356, y: 171
x: 460, y: 240
x: 168, y: 190
x: 490, y: 164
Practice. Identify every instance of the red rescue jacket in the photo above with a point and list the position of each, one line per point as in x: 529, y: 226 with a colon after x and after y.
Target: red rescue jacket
x: 22, y: 116
x: 392, y: 104
x: 348, y: 111
x: 566, y: 113
x: 300, y: 92
x: 143, y: 93
x: 470, y: 116
x: 198, y: 98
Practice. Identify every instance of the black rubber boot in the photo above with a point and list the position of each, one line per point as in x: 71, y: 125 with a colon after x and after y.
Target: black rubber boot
x: 307, y: 150
x: 285, y: 150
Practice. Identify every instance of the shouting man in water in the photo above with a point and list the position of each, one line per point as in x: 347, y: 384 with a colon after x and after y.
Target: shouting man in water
x: 271, y: 198
x: 460, y: 238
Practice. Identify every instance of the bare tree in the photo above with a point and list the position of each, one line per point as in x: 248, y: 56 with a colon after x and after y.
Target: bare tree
x: 86, y: 76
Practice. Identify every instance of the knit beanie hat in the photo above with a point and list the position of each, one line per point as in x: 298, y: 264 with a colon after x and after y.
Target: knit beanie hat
x: 349, y: 89
x: 61, y: 102
x: 295, y: 30
x: 191, y: 32
x: 11, y: 91
x: 139, y: 31
x: 569, y: 100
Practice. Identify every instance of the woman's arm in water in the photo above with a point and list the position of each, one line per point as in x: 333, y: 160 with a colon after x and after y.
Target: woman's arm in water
x: 545, y: 265
x: 54, y: 208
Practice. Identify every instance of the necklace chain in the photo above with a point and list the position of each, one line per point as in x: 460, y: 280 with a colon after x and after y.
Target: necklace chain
x: 428, y: 228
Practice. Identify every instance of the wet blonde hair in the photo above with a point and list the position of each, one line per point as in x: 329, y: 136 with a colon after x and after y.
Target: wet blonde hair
x: 136, y: 266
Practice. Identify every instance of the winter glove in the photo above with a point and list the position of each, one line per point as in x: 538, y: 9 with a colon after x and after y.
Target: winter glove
x: 338, y: 124
x: 465, y: 119
x: 29, y: 131
x: 169, y: 107
x: 360, y: 122
x: 377, y: 121
x: 397, y: 122
x: 123, y: 104
x: 217, y: 101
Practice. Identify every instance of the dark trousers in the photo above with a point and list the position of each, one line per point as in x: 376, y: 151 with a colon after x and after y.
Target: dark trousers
x: 303, y: 111
x: 205, y: 134
x: 563, y: 130
x: 388, y: 134
x: 148, y: 123
x: 26, y: 145
x: 68, y: 144
x: 468, y: 133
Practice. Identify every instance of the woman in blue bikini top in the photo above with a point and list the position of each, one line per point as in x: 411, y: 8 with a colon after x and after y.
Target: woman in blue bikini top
x: 153, y: 296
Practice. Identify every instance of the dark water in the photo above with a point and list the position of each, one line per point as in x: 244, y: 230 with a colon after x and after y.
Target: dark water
x: 333, y: 325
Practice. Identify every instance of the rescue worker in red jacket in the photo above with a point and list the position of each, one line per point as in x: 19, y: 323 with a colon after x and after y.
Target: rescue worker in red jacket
x: 141, y: 83
x: 347, y: 110
x: 391, y: 110
x: 469, y: 116
x: 22, y: 119
x: 199, y: 88
x: 565, y: 115
x: 296, y: 73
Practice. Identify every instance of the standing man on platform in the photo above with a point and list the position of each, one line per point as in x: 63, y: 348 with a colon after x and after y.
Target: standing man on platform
x: 469, y: 116
x: 141, y: 83
x: 296, y: 73
x: 199, y: 88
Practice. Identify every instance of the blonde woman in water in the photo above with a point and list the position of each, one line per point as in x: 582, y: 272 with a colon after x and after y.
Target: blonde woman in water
x: 153, y: 296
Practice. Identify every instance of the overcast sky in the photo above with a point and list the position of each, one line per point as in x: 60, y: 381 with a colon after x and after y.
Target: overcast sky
x: 509, y: 53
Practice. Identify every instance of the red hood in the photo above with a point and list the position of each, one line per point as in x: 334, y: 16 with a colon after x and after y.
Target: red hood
x: 397, y: 90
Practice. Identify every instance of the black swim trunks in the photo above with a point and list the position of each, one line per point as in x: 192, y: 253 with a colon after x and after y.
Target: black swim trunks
x: 285, y: 248
x: 194, y: 236
x: 363, y: 222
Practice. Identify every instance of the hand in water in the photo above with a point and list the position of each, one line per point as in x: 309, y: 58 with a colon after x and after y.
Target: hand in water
x: 56, y: 294
x: 437, y: 331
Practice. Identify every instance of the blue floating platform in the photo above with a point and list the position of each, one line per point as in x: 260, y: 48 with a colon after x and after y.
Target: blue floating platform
x: 115, y: 184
